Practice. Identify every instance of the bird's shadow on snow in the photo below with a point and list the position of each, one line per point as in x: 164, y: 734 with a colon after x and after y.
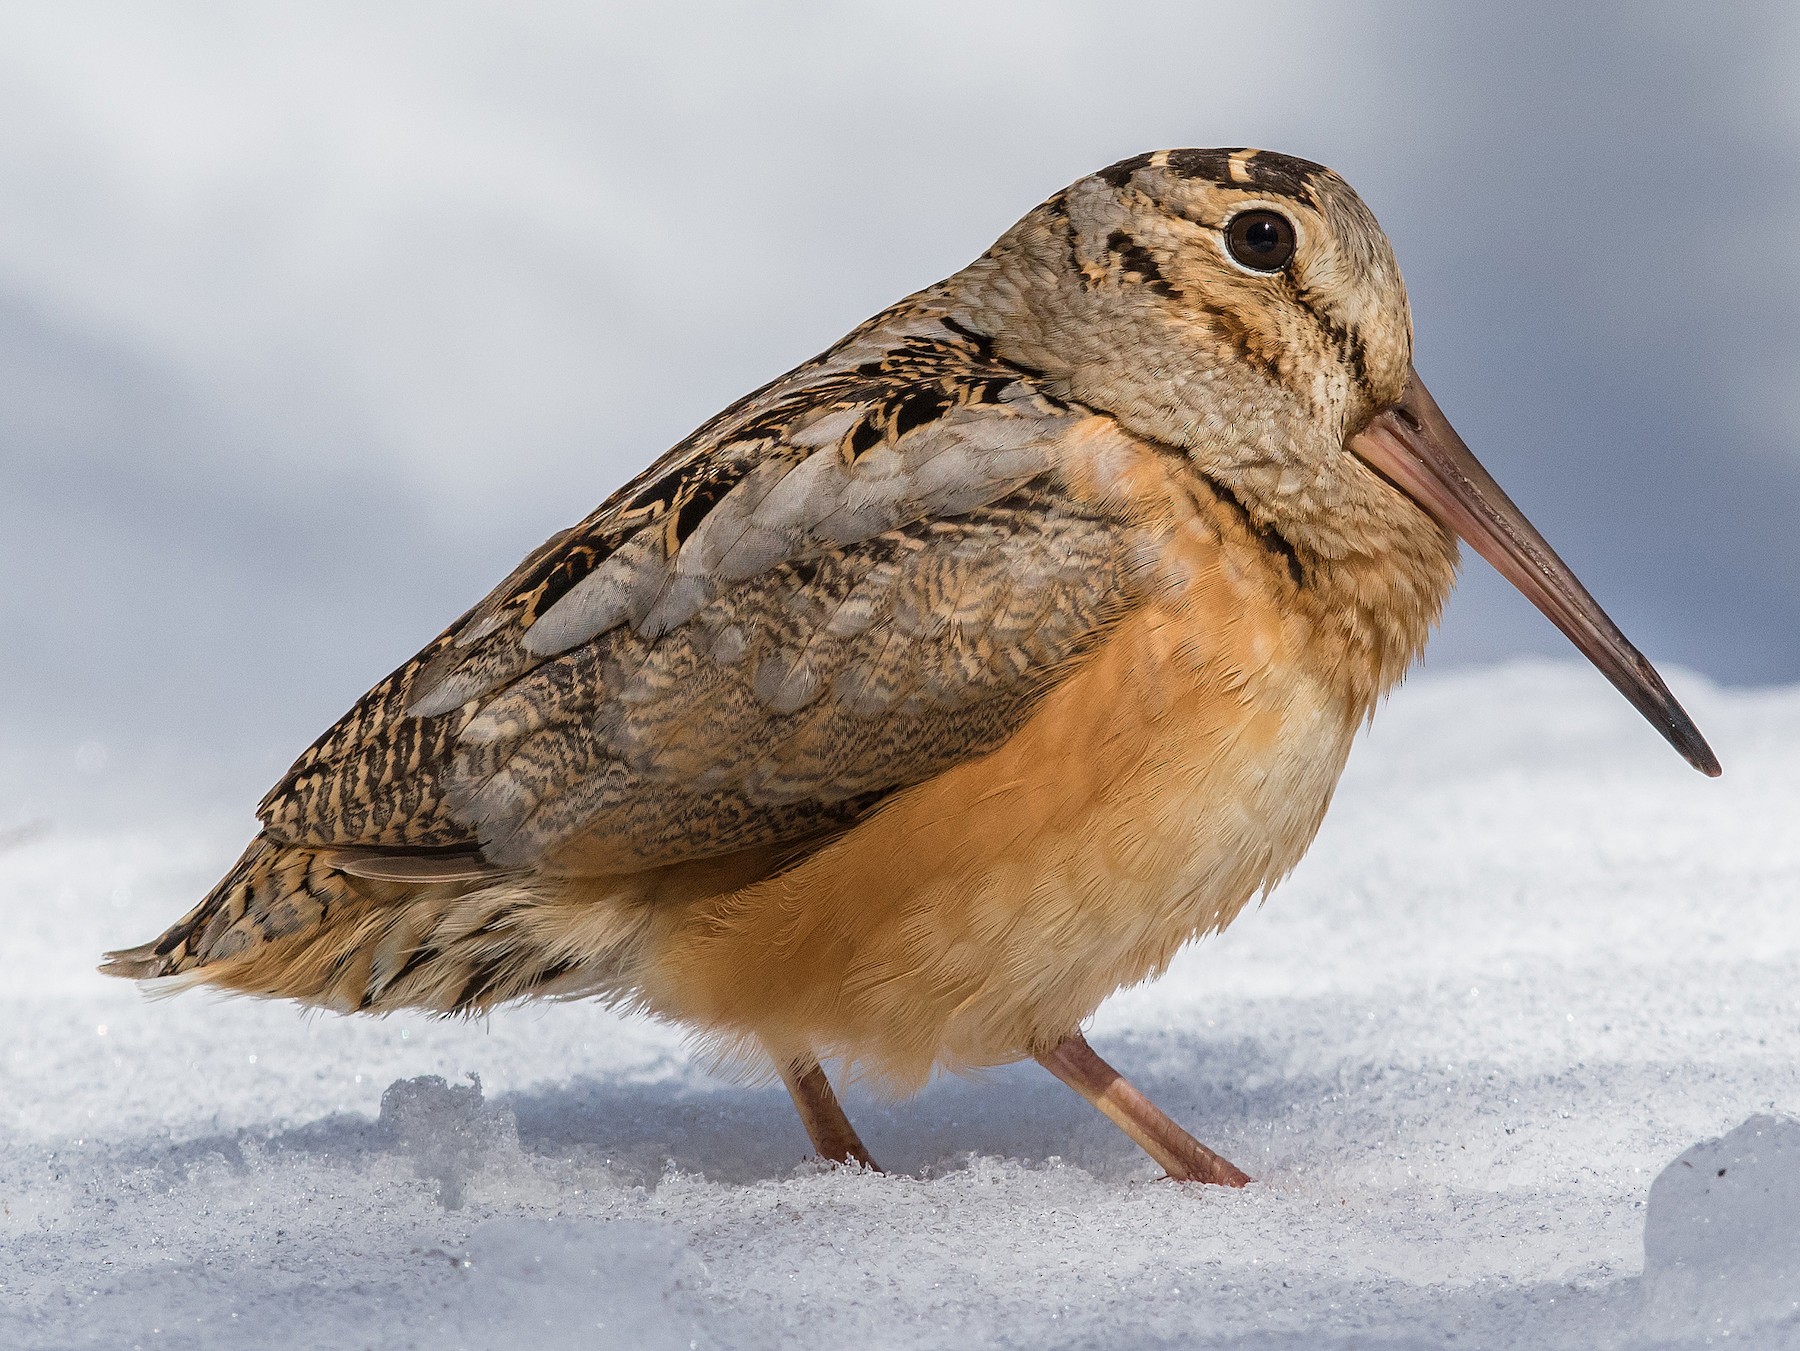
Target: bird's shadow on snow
x: 734, y: 1134
x: 741, y: 1135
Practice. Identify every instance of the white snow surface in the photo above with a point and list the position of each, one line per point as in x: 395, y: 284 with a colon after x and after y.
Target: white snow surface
x: 1529, y: 1010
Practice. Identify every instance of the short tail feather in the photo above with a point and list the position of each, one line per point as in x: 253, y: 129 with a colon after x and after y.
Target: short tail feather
x: 288, y: 921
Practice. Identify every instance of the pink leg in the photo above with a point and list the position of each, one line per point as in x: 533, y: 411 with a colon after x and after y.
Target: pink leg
x: 827, y: 1127
x: 1183, y: 1157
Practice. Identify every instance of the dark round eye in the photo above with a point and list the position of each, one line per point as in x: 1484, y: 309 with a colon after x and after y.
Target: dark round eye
x: 1261, y: 240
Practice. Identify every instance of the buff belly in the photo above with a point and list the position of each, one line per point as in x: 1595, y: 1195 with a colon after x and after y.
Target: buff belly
x: 981, y: 917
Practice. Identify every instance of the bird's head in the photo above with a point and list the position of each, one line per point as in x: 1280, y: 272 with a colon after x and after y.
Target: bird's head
x: 1240, y: 305
x: 1245, y: 308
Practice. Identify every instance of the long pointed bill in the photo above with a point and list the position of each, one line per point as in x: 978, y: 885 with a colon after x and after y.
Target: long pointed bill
x: 1415, y: 448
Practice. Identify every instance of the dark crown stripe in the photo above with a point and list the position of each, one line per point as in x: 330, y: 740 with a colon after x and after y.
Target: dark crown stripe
x: 1253, y: 170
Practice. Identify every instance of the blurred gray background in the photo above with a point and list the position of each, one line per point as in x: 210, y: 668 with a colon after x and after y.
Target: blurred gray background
x: 315, y: 317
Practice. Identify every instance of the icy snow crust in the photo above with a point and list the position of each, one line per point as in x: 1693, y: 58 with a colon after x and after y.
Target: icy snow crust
x: 1533, y: 962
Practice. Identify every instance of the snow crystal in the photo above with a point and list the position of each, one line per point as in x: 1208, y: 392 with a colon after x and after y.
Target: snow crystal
x: 1467, y: 1051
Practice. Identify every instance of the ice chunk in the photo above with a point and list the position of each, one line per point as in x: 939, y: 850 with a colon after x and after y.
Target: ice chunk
x: 447, y: 1129
x: 1722, y: 1236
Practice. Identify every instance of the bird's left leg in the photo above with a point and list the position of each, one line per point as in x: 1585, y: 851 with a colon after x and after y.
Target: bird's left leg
x: 1183, y: 1157
x: 829, y: 1129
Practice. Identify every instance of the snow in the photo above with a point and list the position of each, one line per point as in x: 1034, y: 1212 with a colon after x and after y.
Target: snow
x: 1722, y: 1240
x: 1486, y: 1053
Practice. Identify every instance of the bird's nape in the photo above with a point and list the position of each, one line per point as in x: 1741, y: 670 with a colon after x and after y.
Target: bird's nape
x: 1415, y: 448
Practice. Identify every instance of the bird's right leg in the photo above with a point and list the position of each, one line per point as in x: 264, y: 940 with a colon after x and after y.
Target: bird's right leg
x: 1183, y: 1157
x: 832, y: 1135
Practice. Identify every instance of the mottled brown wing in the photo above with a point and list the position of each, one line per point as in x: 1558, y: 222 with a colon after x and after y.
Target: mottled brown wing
x: 795, y: 700
x: 855, y: 579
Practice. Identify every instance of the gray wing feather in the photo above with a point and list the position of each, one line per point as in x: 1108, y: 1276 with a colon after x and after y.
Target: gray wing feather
x: 778, y: 512
x: 791, y: 696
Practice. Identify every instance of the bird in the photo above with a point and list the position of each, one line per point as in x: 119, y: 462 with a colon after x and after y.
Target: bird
x: 937, y: 689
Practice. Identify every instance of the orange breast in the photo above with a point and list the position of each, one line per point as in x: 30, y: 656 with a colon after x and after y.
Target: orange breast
x: 981, y: 916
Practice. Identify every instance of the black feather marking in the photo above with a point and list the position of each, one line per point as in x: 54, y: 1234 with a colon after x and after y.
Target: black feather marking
x: 1234, y: 329
x: 863, y: 437
x: 173, y: 939
x: 1135, y: 258
x: 1265, y: 171
x: 984, y: 346
x: 918, y: 408
x: 551, y: 974
x: 1212, y: 165
x: 702, y: 500
x: 982, y: 342
x: 1348, y: 348
x: 1271, y: 538
x: 662, y: 491
x: 1057, y: 211
x: 482, y: 979
x: 1284, y: 174
x: 1118, y: 175
x: 425, y: 952
x: 560, y: 574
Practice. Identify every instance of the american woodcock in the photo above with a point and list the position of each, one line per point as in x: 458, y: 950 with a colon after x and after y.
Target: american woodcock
x: 939, y: 688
